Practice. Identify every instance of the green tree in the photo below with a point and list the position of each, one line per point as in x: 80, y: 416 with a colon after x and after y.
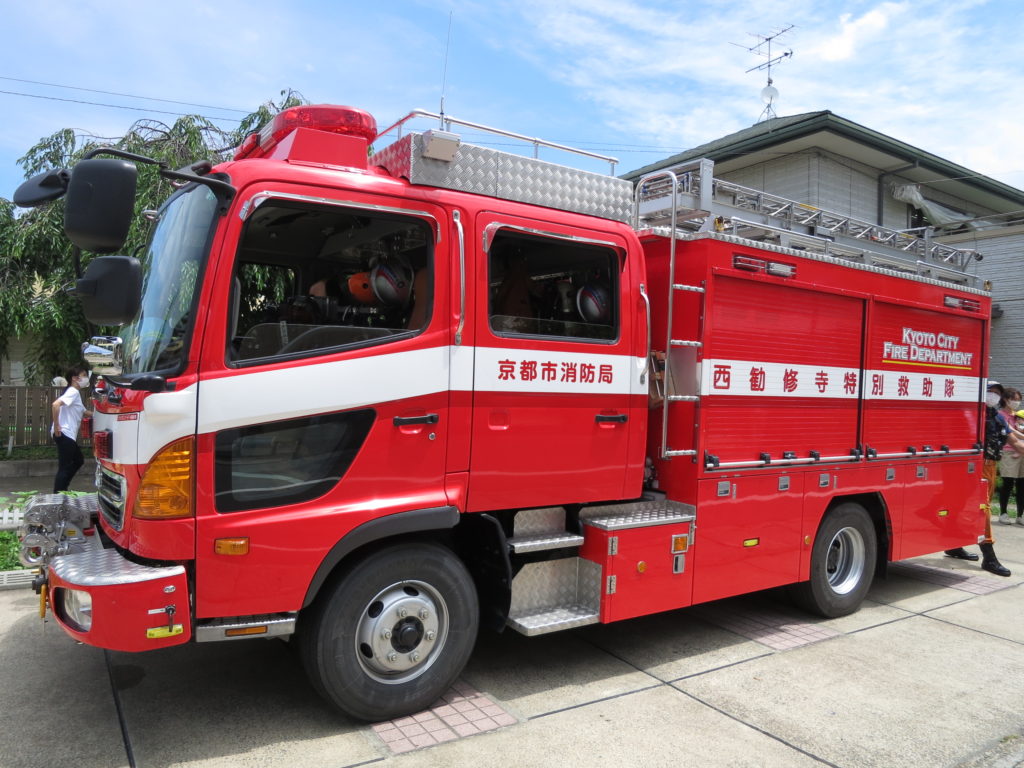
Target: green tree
x: 35, y: 257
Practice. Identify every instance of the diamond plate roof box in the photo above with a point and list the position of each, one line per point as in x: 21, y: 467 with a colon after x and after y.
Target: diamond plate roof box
x: 507, y: 176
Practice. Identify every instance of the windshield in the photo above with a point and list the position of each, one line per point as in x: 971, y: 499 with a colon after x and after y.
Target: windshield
x: 172, y: 266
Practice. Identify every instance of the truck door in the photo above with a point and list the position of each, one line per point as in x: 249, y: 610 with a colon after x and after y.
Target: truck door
x: 553, y: 367
x: 324, y: 397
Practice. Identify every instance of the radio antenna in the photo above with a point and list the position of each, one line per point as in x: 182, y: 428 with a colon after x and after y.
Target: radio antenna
x: 444, y: 72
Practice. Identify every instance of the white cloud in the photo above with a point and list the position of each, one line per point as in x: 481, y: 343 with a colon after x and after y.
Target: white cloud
x: 855, y: 32
x: 933, y: 73
x: 939, y: 74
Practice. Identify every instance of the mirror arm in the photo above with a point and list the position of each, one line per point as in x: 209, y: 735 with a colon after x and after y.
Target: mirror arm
x: 224, y: 191
x: 124, y: 155
x: 195, y: 173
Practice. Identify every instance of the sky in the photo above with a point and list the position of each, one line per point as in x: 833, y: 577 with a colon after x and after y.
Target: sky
x: 635, y: 79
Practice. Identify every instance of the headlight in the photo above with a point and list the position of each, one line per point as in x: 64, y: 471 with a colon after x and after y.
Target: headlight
x: 78, y: 609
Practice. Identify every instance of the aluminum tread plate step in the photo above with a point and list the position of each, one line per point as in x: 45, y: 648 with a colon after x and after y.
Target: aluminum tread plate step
x: 212, y: 630
x: 554, y: 620
x: 545, y: 541
x: 638, y: 514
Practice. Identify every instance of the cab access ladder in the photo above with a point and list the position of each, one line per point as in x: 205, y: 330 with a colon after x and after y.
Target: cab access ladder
x: 666, y: 383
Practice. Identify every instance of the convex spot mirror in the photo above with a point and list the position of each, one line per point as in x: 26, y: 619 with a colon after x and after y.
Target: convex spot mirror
x: 100, y: 204
x: 111, y: 290
x: 103, y: 355
x: 42, y: 188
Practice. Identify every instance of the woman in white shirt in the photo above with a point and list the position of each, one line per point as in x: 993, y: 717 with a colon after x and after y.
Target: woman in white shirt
x: 68, y: 411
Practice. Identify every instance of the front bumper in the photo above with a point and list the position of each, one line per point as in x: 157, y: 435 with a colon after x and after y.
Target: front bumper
x: 133, y: 607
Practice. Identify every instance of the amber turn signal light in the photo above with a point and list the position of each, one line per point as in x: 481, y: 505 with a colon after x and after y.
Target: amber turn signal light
x: 235, y: 546
x: 166, y: 488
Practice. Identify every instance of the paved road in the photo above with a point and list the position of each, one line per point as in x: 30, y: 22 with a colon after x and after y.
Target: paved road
x: 929, y: 673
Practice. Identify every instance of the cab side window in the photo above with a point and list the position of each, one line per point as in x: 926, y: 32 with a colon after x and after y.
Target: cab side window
x: 313, y: 279
x: 542, y: 286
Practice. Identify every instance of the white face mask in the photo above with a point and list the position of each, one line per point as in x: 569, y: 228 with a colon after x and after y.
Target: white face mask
x: 1014, y: 405
x: 83, y: 382
x: 992, y: 399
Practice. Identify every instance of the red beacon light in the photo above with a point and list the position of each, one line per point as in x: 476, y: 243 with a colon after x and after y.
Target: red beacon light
x: 345, y: 121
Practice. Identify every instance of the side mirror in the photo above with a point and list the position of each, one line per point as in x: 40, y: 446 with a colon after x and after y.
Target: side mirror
x: 103, y: 355
x: 42, y: 188
x: 110, y: 290
x: 100, y: 204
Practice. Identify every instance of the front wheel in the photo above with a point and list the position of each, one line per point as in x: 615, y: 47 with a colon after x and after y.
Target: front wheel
x: 842, y: 563
x: 392, y: 633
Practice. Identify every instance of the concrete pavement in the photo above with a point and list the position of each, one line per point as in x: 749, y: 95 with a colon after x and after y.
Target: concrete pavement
x: 929, y: 673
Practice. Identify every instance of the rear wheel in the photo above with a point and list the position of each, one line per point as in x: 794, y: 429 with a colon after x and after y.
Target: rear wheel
x: 393, y: 632
x: 842, y: 563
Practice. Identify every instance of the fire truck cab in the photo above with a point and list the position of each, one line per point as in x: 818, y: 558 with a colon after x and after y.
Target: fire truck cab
x: 374, y: 401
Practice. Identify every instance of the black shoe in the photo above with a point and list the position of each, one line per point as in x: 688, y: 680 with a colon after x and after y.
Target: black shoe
x: 991, y: 563
x: 961, y: 554
x: 994, y: 566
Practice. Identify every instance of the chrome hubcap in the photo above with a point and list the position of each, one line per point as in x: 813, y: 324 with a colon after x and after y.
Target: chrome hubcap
x: 844, y: 563
x: 401, y: 631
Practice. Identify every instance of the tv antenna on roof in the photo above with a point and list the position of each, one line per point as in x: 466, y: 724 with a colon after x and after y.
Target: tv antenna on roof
x: 763, y: 47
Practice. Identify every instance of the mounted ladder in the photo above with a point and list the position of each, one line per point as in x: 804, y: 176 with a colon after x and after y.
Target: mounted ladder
x: 689, y: 199
x: 698, y: 202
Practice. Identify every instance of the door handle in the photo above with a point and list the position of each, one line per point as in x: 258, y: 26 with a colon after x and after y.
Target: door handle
x: 618, y: 418
x: 404, y: 421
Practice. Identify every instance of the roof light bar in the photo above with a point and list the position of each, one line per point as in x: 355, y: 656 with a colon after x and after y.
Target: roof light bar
x: 348, y: 121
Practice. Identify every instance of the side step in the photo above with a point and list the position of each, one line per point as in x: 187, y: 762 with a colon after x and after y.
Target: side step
x: 545, y: 541
x: 555, y: 595
x: 554, y: 620
x: 551, y: 595
x: 242, y: 627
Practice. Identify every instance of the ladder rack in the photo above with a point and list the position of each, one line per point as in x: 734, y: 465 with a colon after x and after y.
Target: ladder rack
x: 706, y: 204
x: 688, y: 199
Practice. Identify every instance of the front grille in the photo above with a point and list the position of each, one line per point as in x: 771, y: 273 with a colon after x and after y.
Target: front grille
x: 111, y: 496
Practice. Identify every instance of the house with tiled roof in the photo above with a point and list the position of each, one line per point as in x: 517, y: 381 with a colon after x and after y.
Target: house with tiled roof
x: 823, y: 161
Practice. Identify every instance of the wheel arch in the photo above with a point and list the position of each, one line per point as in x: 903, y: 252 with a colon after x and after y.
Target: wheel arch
x: 374, y: 533
x: 477, y: 539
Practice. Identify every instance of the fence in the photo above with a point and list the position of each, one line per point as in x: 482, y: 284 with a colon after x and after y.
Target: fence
x: 26, y: 416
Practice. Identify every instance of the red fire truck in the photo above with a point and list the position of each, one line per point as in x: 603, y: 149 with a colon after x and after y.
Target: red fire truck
x: 375, y: 401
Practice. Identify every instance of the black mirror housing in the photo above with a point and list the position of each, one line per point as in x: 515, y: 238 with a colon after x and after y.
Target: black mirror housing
x: 42, y: 188
x: 100, y: 204
x: 111, y: 290
x: 149, y: 382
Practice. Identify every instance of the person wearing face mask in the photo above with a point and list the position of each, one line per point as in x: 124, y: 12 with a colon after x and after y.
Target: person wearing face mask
x: 997, y: 434
x: 68, y: 411
x: 1011, y: 465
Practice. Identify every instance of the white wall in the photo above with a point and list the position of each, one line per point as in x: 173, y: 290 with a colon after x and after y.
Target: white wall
x: 838, y: 184
x: 1003, y: 265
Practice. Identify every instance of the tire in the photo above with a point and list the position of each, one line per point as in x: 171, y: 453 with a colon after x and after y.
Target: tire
x: 842, y: 563
x: 390, y: 635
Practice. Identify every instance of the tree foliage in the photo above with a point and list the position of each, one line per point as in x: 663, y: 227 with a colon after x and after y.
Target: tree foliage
x: 35, y: 257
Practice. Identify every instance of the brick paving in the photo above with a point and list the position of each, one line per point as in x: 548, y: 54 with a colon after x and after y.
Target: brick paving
x: 774, y: 627
x: 954, y: 578
x: 463, y: 711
